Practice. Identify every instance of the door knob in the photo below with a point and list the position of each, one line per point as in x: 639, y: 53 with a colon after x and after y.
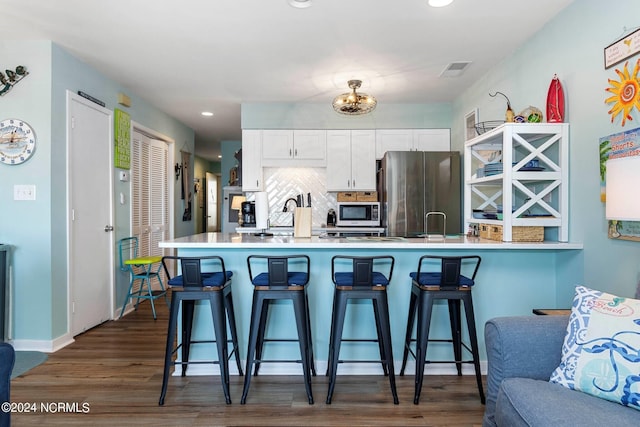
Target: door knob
x: 108, y: 228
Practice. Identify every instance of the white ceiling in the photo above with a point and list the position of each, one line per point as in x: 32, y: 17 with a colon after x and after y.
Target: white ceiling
x: 189, y: 56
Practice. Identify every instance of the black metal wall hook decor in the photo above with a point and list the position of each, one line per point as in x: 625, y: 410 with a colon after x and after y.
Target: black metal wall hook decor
x: 509, y: 116
x: 178, y: 169
x: 12, y: 78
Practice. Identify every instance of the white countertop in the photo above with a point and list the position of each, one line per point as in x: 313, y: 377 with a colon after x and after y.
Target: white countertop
x: 244, y: 241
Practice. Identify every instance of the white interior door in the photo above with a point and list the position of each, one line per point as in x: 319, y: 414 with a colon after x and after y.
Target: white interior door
x: 212, y: 202
x: 90, y: 189
x: 150, y: 208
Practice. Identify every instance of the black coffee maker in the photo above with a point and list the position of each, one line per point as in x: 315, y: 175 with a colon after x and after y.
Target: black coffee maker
x: 248, y: 214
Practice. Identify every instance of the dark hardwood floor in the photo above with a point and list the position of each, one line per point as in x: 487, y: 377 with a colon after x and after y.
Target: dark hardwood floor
x: 112, y: 375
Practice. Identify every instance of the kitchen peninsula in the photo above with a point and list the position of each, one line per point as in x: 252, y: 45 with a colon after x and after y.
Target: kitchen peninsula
x: 513, y: 279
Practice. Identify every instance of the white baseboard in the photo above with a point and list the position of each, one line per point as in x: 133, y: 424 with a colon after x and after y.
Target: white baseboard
x: 45, y: 346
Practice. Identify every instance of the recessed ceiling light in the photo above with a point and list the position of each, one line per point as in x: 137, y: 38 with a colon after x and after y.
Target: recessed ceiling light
x: 440, y: 3
x: 207, y: 113
x: 300, y: 4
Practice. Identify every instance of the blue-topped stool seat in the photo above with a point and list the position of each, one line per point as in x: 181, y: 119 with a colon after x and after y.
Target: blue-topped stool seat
x: 360, y: 281
x: 447, y: 283
x: 195, y: 285
x: 208, y: 279
x: 142, y: 268
x: 286, y: 278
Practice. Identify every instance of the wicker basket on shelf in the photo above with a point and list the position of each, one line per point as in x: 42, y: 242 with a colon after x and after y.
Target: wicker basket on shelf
x: 518, y: 234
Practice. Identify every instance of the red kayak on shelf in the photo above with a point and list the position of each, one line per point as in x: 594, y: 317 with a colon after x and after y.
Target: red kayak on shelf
x: 555, y: 101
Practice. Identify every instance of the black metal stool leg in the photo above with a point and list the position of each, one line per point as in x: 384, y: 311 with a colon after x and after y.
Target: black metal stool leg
x: 264, y: 314
x: 232, y: 327
x: 331, y: 332
x: 220, y: 328
x: 339, y: 311
x: 256, y: 312
x: 302, y: 323
x: 171, y: 333
x: 382, y: 307
x: 379, y: 332
x: 456, y: 332
x: 424, y: 322
x: 310, y: 340
x: 188, y: 308
x: 471, y: 325
x: 411, y: 319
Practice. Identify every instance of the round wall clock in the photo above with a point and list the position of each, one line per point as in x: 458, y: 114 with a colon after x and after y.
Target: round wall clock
x: 17, y: 141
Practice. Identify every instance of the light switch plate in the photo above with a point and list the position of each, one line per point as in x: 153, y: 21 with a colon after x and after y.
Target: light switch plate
x: 24, y: 192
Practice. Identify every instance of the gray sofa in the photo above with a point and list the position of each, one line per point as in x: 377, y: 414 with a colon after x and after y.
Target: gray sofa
x: 7, y: 360
x: 522, y: 352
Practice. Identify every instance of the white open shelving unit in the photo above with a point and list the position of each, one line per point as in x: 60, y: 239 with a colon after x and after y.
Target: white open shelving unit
x: 538, y: 197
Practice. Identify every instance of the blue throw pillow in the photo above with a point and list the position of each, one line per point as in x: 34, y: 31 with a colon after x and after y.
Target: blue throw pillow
x: 601, y: 352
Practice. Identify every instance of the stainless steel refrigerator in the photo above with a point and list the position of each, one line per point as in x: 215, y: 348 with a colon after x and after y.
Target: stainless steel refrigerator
x: 414, y: 183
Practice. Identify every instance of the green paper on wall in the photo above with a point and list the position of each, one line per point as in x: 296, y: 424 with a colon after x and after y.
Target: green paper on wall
x: 122, y: 136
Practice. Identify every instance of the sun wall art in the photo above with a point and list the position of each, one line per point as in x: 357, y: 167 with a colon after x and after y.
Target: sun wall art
x: 625, y: 93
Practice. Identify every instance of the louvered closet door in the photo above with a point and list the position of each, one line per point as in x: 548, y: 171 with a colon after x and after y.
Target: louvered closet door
x: 149, y: 193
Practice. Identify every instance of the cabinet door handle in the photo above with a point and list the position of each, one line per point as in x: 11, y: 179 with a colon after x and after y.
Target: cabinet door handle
x: 289, y: 152
x: 257, y: 183
x: 353, y: 182
x: 295, y: 152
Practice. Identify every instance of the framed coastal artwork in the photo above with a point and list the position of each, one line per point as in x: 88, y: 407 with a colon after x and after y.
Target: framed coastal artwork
x: 622, y: 49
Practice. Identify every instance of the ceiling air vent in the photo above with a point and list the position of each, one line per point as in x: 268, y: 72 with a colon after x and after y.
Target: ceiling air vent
x: 455, y: 69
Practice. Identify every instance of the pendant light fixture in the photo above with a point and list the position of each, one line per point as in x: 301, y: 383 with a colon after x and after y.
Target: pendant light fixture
x: 354, y: 103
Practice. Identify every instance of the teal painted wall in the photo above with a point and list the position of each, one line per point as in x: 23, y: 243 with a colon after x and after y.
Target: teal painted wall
x: 28, y: 225
x: 38, y: 229
x: 571, y: 45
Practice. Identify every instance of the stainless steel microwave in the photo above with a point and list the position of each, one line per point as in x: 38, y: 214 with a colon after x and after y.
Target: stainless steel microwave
x: 358, y: 214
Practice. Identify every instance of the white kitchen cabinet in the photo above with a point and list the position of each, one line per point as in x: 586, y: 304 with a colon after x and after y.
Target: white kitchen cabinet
x: 310, y: 145
x: 498, y: 173
x: 351, y: 163
x: 294, y: 148
x: 412, y: 140
x: 393, y: 140
x: 251, y: 160
x: 432, y: 139
x: 277, y: 144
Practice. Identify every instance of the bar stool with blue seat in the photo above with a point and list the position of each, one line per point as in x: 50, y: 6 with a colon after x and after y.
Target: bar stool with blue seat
x: 140, y: 268
x: 440, y: 278
x: 279, y: 278
x: 358, y: 278
x: 193, y: 284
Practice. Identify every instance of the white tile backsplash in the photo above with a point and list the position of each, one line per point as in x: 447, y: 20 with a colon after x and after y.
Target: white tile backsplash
x: 283, y: 183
